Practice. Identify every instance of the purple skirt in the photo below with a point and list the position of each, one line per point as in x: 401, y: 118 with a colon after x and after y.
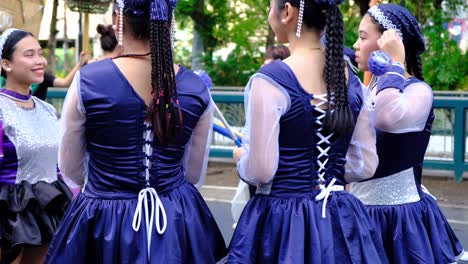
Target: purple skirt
x: 416, y: 232
x: 290, y: 229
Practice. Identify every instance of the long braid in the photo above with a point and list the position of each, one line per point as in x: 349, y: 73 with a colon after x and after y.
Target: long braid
x: 340, y: 119
x: 164, y: 111
x: 414, y: 64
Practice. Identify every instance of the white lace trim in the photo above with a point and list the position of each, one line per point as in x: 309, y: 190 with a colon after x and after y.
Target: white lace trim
x: 383, y: 20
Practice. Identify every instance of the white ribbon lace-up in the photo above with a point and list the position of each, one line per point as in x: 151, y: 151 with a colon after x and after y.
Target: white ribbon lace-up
x: 155, y: 205
x: 323, y: 152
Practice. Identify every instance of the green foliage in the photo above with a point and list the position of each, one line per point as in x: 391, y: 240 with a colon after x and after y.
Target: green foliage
x: 444, y: 66
x: 223, y: 23
x: 244, y: 23
x: 236, y: 69
x: 352, y: 18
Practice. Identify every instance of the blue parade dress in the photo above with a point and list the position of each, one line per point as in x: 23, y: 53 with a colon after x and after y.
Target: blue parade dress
x: 99, y: 225
x: 287, y: 221
x: 407, y: 218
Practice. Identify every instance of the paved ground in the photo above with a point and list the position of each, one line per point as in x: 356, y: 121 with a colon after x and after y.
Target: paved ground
x: 222, y: 179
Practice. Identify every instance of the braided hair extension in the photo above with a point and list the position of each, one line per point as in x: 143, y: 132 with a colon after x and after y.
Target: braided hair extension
x: 164, y: 112
x: 414, y: 64
x: 339, y: 118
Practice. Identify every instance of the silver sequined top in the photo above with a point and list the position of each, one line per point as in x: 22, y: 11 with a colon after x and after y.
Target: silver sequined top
x: 35, y: 135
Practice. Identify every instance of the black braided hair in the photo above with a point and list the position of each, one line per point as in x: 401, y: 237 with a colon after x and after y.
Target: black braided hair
x: 339, y: 118
x: 164, y: 111
x: 414, y: 64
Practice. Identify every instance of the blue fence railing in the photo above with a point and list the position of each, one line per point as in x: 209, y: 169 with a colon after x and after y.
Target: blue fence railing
x: 446, y: 151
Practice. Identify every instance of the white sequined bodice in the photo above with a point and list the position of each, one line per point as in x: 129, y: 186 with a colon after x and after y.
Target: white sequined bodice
x: 35, y: 135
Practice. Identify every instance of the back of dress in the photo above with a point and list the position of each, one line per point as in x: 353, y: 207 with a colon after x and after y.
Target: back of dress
x: 308, y: 154
x: 138, y: 194
x: 115, y: 130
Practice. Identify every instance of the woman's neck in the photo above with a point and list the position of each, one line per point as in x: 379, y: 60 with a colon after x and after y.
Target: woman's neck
x: 135, y: 47
x: 309, y: 41
x: 17, y: 87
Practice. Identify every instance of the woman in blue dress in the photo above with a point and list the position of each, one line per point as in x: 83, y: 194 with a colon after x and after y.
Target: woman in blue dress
x: 33, y: 197
x: 409, y: 222
x: 304, y: 116
x: 136, y: 133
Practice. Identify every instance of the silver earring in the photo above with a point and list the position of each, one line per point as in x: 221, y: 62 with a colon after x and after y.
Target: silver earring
x: 114, y: 27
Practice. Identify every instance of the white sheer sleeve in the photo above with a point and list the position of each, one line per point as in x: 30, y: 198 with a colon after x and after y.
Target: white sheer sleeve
x: 265, y: 101
x: 402, y: 112
x: 197, y: 149
x: 361, y: 158
x: 72, y: 150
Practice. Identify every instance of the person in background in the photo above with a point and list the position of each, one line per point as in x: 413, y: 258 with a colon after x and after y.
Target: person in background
x: 408, y: 221
x: 51, y: 81
x: 108, y: 42
x: 304, y: 115
x: 40, y: 89
x: 135, y: 134
x: 279, y: 52
x: 33, y: 196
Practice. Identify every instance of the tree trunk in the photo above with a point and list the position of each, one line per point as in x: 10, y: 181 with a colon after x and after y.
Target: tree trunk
x: 52, y: 42
x: 66, y: 61
x: 197, y: 51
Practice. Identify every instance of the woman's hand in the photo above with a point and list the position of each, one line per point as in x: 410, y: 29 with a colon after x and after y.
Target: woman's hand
x: 237, y: 153
x: 391, y: 43
x: 85, y: 56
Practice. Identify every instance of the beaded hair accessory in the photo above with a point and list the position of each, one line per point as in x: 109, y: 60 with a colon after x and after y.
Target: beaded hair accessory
x: 320, y: 3
x: 3, y: 39
x: 173, y: 25
x: 159, y: 10
x: 378, y: 15
x: 121, y: 5
x: 300, y: 18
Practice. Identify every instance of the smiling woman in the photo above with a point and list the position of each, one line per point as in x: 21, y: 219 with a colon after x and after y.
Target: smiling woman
x: 33, y: 198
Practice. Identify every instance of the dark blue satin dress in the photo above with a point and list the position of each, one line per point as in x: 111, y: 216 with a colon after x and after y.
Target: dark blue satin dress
x: 98, y: 225
x: 413, y: 229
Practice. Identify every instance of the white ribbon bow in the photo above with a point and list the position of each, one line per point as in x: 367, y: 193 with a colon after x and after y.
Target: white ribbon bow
x: 156, y: 207
x: 325, y: 193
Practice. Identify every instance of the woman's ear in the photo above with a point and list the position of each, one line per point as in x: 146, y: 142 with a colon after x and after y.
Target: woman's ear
x: 5, y: 64
x: 288, y: 14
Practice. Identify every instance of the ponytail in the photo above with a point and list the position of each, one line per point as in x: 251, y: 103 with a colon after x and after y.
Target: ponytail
x: 339, y: 117
x: 164, y: 112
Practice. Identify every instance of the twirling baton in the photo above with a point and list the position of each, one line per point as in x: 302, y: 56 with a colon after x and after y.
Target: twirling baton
x: 230, y: 133
x: 226, y: 125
